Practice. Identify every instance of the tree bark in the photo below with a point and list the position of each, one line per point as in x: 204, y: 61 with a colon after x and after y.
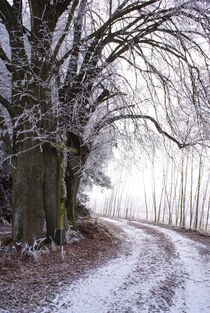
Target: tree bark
x: 27, y: 194
x: 72, y: 180
x: 50, y: 187
x: 17, y: 197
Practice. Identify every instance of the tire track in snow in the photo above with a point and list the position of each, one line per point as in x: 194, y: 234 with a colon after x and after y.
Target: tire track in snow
x: 195, y: 298
x: 162, y: 268
x: 152, y: 277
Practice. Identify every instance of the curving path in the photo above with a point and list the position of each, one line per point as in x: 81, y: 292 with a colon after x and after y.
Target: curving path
x: 158, y: 271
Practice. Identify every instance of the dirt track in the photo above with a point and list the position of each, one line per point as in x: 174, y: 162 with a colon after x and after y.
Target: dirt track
x: 151, y: 269
x: 159, y: 270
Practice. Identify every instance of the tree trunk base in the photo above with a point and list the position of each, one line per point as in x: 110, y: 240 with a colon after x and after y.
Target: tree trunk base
x: 59, y: 236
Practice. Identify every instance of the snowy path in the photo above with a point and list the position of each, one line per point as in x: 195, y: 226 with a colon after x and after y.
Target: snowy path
x: 162, y: 271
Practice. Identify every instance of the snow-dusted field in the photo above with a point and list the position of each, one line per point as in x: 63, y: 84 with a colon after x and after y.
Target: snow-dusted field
x: 159, y: 271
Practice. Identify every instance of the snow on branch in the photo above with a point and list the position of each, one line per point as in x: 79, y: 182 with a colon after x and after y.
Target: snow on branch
x: 114, y: 119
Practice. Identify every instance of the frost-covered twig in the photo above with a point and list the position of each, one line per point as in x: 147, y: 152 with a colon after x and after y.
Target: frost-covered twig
x: 36, y: 250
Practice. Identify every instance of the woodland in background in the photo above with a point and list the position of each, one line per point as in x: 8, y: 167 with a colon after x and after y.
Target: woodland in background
x: 65, y: 90
x: 170, y: 188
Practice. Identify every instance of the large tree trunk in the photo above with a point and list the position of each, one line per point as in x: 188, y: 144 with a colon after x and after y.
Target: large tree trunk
x: 50, y: 187
x: 27, y: 194
x: 17, y: 197
x: 72, y: 180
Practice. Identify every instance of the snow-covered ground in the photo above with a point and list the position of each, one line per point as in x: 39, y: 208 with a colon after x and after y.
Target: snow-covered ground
x: 158, y: 271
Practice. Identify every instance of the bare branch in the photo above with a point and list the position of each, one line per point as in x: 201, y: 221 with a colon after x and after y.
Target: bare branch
x: 7, y: 14
x: 6, y: 104
x: 114, y: 119
x: 66, y: 29
x: 6, y: 60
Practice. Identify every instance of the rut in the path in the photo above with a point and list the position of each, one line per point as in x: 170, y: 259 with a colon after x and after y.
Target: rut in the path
x: 157, y: 274
x: 145, y: 278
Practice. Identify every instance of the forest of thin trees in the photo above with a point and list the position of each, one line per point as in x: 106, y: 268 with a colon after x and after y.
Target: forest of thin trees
x: 70, y: 70
x: 172, y: 190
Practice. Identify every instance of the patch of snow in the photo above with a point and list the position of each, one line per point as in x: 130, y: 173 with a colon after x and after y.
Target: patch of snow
x: 158, y: 271
x: 195, y: 297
